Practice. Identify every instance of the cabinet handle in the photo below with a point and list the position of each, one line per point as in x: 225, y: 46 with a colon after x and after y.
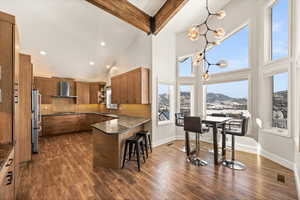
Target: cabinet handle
x: 9, y: 177
x: 10, y: 162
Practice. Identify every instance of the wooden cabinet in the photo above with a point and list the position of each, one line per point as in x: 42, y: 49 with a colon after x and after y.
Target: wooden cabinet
x: 131, y: 87
x: 55, y: 125
x: 94, y: 93
x: 23, y: 145
x: 7, y: 65
x: 82, y: 93
x: 7, y: 178
x: 47, y: 88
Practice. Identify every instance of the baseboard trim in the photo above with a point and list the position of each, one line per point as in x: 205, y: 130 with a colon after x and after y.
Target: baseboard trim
x: 296, y: 173
x: 163, y: 141
x: 281, y: 161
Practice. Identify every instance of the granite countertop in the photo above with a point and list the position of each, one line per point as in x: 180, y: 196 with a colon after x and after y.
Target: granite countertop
x: 5, y: 150
x: 78, y: 113
x: 120, y: 125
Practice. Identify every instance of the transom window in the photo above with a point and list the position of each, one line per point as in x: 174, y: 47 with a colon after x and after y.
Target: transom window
x: 280, y: 29
x: 234, y: 50
x: 185, y: 67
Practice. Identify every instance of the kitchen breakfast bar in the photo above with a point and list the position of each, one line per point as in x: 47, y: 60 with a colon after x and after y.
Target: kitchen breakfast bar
x: 109, y: 139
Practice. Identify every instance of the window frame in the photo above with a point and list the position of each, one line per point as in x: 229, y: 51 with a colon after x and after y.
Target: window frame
x: 192, y: 67
x: 268, y: 33
x: 192, y: 85
x: 171, y: 101
x: 236, y: 30
x: 235, y: 79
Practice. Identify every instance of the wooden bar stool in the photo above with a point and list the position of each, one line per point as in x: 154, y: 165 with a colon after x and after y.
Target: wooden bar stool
x: 137, y: 143
x: 147, y: 140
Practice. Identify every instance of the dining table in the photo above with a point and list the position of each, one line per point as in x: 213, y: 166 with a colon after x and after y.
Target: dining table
x: 215, y: 123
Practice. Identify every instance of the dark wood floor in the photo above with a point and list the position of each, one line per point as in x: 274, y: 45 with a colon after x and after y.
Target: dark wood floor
x: 63, y: 171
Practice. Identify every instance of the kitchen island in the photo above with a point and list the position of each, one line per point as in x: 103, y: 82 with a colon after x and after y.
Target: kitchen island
x: 109, y: 138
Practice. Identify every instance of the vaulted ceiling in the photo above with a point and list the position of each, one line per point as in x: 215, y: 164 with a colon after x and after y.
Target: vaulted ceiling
x: 71, y: 32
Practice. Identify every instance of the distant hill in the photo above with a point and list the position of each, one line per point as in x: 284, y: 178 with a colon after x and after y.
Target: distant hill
x: 216, y: 97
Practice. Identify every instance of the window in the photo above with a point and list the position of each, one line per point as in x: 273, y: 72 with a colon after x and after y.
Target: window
x: 185, y: 67
x: 234, y: 50
x: 164, y: 99
x: 280, y: 29
x: 227, y: 98
x: 280, y: 101
x: 186, y: 99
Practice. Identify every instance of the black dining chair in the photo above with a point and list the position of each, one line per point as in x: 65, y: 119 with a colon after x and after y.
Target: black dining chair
x: 194, y: 125
x: 242, y: 131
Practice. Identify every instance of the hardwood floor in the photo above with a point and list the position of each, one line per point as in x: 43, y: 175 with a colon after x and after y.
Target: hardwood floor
x: 63, y: 171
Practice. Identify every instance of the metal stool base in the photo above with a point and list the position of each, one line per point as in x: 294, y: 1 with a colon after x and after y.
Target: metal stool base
x: 236, y: 165
x: 197, y: 161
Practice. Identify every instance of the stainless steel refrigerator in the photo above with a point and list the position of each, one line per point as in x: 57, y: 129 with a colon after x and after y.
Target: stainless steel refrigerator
x: 36, y: 120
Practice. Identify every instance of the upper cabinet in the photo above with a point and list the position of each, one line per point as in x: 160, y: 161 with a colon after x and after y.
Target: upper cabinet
x: 131, y: 87
x: 97, y: 94
x: 47, y: 88
x: 83, y: 93
x: 8, y: 76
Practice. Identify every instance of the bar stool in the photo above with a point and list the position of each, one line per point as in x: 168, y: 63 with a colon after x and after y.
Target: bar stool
x: 137, y: 143
x: 233, y: 164
x: 147, y: 140
x: 193, y: 124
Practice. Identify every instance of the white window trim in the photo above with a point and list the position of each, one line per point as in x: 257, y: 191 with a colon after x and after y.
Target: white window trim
x: 172, y: 103
x: 192, y: 96
x: 268, y: 32
x: 274, y: 130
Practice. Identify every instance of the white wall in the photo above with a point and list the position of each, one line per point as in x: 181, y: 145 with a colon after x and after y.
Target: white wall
x: 163, y: 70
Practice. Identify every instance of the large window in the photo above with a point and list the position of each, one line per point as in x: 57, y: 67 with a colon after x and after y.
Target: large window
x: 280, y: 101
x: 164, y: 102
x: 185, y: 67
x: 280, y: 29
x: 227, y: 98
x: 186, y: 99
x: 234, y: 50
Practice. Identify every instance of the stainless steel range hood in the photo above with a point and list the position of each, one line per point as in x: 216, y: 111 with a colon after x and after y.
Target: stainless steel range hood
x: 64, y: 90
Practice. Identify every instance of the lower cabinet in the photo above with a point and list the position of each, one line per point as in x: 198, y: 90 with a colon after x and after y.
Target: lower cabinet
x: 7, y: 179
x: 56, y: 125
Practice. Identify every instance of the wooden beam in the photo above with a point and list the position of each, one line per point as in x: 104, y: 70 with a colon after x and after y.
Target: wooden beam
x: 166, y: 12
x: 125, y: 11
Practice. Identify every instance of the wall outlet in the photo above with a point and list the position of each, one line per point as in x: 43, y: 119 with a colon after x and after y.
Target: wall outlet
x: 280, y: 178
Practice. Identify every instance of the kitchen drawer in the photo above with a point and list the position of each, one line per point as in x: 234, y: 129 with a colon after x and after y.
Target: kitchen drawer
x: 54, y: 125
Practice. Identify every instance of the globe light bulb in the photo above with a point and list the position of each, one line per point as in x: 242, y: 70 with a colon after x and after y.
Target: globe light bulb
x: 220, y: 32
x: 222, y: 63
x: 194, y: 33
x: 197, y: 58
x: 221, y: 14
x: 205, y: 76
x: 215, y: 43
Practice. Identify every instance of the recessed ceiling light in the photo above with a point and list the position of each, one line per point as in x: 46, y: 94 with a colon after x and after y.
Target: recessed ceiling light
x: 92, y: 63
x: 43, y: 53
x: 103, y: 44
x: 107, y: 66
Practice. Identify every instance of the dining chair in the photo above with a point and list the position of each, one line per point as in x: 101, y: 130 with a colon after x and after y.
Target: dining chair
x: 194, y: 125
x: 242, y: 131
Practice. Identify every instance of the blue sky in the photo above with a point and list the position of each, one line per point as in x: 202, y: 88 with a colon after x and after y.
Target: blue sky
x: 234, y: 49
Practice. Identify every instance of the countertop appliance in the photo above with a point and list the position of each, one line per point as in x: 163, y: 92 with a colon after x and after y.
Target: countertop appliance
x: 36, y: 120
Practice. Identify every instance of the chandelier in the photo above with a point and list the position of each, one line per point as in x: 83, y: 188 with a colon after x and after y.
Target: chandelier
x: 203, y: 30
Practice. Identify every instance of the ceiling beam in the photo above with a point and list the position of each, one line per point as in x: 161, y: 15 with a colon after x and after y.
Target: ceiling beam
x: 138, y: 18
x: 125, y: 11
x: 166, y: 13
